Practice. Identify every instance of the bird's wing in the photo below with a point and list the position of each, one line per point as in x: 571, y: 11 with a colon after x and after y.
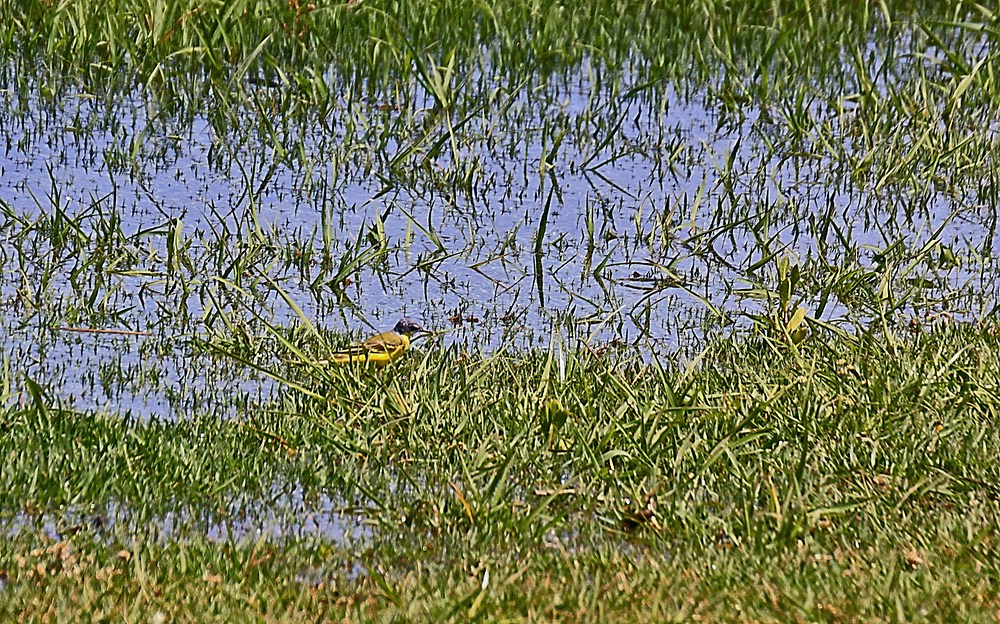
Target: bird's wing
x: 354, y: 349
x: 386, y: 342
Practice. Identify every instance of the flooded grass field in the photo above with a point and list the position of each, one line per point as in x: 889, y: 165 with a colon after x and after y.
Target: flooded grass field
x: 711, y: 291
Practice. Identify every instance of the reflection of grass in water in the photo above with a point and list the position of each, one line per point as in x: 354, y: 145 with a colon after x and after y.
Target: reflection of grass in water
x: 761, y: 472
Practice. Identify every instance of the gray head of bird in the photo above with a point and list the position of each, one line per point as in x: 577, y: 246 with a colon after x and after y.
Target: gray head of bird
x: 408, y: 327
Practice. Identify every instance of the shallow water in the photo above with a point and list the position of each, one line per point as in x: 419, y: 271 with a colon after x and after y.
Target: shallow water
x: 657, y: 214
x: 285, y: 516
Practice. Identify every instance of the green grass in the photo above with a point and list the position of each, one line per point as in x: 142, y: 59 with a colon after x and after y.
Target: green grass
x: 652, y: 194
x: 847, y: 477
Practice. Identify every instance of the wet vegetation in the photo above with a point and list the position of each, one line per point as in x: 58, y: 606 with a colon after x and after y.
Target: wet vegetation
x: 712, y: 284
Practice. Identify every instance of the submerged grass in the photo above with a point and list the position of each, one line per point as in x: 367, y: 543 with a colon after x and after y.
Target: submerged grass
x: 844, y: 477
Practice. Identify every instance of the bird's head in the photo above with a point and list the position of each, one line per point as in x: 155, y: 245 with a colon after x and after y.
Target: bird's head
x: 408, y: 327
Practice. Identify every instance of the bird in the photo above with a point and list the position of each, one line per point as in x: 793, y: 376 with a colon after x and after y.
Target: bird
x: 380, y: 349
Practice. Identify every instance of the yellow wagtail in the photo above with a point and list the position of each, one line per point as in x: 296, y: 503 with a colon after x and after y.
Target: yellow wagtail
x: 382, y: 348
